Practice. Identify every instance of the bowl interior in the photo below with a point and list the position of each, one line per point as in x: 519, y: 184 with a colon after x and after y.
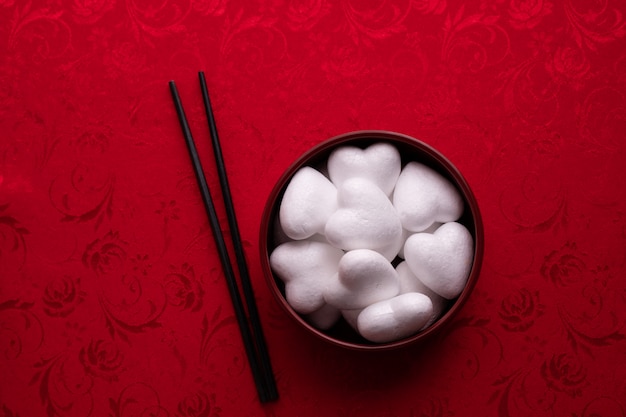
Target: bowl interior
x: 410, y: 150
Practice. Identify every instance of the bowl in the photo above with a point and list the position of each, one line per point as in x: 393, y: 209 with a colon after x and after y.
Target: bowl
x: 411, y: 149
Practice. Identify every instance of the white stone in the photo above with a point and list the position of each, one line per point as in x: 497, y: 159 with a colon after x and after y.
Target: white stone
x: 441, y: 260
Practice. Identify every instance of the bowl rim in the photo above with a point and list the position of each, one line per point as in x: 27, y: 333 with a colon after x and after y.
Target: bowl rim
x: 373, y: 136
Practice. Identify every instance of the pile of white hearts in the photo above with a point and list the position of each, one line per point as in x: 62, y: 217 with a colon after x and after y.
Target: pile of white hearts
x: 340, y: 232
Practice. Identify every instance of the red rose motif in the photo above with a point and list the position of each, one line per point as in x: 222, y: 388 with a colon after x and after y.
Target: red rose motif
x: 429, y: 6
x: 519, y: 311
x: 12, y: 242
x: 304, y: 14
x: 169, y: 211
x: 345, y: 61
x: 564, y: 373
x: 92, y: 143
x: 526, y: 14
x: 90, y: 11
x: 183, y: 290
x: 603, y: 118
x: 157, y: 17
x: 127, y: 57
x: 594, y: 23
x: 198, y: 405
x: 105, y: 255
x: 61, y: 296
x: 210, y: 7
x: 568, y: 64
x: 102, y: 359
x: 377, y: 19
x: 563, y: 266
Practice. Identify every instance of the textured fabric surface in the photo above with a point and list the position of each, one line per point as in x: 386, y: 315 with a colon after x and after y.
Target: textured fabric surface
x: 112, y: 299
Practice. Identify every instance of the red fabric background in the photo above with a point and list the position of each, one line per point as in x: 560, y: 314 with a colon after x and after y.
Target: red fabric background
x: 112, y: 300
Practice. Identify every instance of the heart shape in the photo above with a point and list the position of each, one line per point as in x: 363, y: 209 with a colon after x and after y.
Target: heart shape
x: 423, y: 196
x: 305, y: 266
x: 441, y: 260
x: 406, y: 234
x: 309, y: 200
x: 380, y: 163
x: 395, y: 318
x: 366, y: 219
x: 364, y: 277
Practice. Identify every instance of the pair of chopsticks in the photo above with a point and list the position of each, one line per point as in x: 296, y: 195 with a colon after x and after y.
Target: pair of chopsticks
x: 251, y: 331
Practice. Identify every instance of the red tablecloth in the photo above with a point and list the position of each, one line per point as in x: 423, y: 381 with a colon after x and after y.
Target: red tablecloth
x: 112, y: 299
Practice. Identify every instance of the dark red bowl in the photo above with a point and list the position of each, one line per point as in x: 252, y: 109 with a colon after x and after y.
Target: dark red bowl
x: 410, y: 149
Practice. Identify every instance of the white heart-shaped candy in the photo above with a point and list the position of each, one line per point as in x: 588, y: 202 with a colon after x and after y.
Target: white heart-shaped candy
x: 441, y: 260
x: 309, y: 200
x: 305, y: 267
x: 364, y: 277
x: 406, y: 234
x: 411, y: 283
x: 380, y: 163
x: 366, y: 219
x: 423, y: 196
x: 395, y: 318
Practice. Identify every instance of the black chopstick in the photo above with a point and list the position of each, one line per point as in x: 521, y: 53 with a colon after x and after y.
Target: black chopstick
x: 257, y: 330
x: 248, y: 341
